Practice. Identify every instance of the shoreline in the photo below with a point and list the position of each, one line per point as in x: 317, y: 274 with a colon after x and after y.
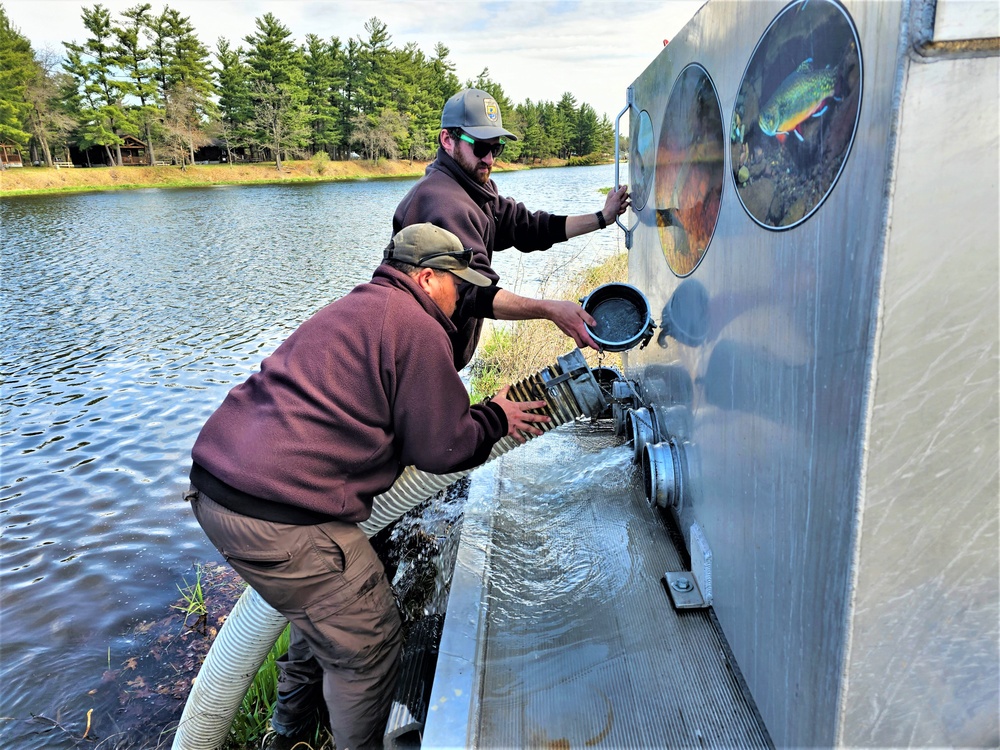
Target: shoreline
x: 24, y: 181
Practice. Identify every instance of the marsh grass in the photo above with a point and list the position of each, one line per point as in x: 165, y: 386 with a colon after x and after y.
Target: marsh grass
x: 251, y: 721
x: 510, y: 351
x: 45, y: 180
x: 192, y: 598
x: 251, y: 724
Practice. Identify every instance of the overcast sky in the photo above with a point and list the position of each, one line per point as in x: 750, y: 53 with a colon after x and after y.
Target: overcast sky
x: 535, y: 49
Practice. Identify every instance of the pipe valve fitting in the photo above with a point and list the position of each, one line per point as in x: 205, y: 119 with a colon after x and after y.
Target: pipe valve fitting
x: 663, y: 474
x: 641, y: 430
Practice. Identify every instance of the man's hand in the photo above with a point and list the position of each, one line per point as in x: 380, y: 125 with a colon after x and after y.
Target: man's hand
x: 519, y: 419
x: 568, y: 316
x: 616, y: 203
x: 572, y: 320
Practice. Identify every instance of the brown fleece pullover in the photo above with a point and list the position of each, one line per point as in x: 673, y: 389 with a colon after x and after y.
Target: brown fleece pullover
x: 361, y: 389
x: 484, y: 221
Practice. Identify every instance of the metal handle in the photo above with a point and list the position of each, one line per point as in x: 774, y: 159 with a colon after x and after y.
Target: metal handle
x: 618, y: 145
x: 628, y: 230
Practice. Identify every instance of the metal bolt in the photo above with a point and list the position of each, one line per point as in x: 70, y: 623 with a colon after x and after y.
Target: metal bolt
x: 681, y: 584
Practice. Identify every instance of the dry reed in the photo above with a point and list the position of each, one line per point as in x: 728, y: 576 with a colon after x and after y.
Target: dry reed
x: 510, y: 351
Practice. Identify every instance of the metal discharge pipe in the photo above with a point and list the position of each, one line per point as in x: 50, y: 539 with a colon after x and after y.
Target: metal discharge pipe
x: 569, y: 390
x: 663, y: 473
x: 641, y: 430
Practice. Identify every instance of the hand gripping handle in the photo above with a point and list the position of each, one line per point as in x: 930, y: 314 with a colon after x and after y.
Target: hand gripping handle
x: 628, y: 230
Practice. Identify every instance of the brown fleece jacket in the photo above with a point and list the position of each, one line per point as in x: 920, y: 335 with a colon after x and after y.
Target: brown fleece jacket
x: 361, y: 389
x: 484, y: 221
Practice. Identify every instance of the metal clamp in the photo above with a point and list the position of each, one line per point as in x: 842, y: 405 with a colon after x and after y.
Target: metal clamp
x: 575, y: 381
x: 550, y: 384
x: 647, y: 334
x: 628, y: 230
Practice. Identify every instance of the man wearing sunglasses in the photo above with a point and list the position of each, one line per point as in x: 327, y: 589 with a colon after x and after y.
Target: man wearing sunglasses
x: 457, y: 193
x: 290, y: 462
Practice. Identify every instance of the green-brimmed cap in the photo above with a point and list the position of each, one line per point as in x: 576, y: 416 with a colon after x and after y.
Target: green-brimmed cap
x: 429, y: 246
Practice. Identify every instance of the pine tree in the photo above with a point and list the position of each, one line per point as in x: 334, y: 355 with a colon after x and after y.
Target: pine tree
x: 189, y: 64
x: 377, y: 70
x: 606, y: 137
x: 347, y: 105
x: 533, y: 136
x: 135, y: 60
x: 277, y: 87
x: 417, y: 96
x: 17, y: 69
x: 185, y: 87
x: 565, y: 126
x: 324, y: 77
x: 587, y: 131
x: 443, y: 78
x: 103, y: 116
x: 235, y: 107
x: 189, y: 105
x: 442, y: 84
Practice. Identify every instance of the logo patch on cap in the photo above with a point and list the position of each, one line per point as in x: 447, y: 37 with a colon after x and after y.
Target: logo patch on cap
x: 492, y: 110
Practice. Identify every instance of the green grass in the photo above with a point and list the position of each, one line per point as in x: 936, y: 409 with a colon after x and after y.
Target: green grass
x: 251, y: 722
x: 193, y: 597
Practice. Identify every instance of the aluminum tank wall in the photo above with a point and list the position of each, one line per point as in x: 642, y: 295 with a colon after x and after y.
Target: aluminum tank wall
x: 924, y: 661
x: 764, y: 361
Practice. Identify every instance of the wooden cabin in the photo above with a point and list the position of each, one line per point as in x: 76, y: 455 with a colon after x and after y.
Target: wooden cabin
x: 134, y: 152
x: 10, y: 156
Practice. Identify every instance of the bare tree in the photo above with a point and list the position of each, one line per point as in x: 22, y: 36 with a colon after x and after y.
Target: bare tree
x: 380, y: 137
x: 184, y: 123
x: 279, y: 118
x: 48, y: 120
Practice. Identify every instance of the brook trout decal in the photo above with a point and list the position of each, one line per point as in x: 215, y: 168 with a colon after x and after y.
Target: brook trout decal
x: 804, y: 94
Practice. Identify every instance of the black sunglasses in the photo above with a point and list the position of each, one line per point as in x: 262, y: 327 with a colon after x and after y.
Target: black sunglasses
x: 481, y: 148
x: 465, y: 256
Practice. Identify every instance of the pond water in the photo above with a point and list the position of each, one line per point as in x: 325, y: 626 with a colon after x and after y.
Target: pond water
x: 127, y: 317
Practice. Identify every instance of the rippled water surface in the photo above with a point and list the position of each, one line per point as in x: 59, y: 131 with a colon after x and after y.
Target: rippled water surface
x: 127, y: 317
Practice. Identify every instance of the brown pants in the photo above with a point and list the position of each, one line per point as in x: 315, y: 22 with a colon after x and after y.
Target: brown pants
x: 327, y: 580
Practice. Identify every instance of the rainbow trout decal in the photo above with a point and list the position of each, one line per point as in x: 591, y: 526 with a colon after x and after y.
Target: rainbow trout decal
x: 802, y: 95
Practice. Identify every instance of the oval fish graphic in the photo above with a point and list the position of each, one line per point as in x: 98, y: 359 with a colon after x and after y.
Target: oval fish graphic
x: 803, y: 94
x: 492, y: 109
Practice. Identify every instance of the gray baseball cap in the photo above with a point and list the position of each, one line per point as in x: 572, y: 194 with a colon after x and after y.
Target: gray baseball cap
x: 428, y: 246
x: 477, y: 113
